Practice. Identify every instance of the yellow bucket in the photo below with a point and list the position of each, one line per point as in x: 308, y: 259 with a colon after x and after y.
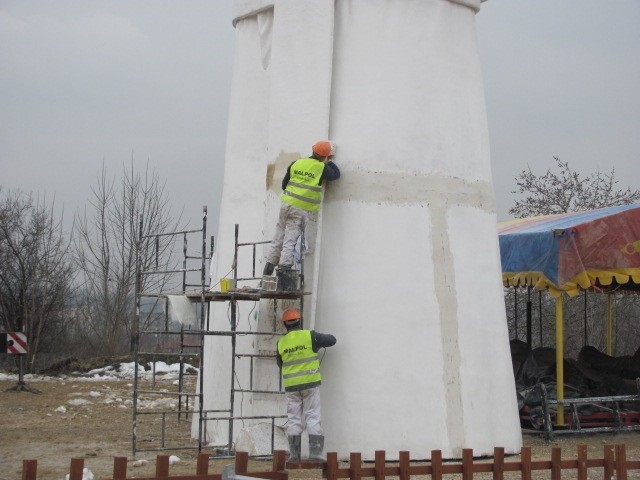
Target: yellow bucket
x: 226, y: 284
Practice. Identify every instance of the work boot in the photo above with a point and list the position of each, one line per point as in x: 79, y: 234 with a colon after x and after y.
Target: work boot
x: 268, y: 269
x: 287, y: 279
x: 316, y: 446
x: 294, y: 448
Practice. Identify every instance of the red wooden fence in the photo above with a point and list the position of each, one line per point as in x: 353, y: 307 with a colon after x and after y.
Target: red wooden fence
x: 29, y: 468
x: 613, y: 464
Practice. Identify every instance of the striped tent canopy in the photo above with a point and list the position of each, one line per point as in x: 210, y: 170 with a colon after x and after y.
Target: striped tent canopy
x: 572, y: 251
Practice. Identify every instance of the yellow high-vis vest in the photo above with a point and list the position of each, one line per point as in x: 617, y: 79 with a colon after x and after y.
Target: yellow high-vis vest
x: 304, y: 190
x: 300, y: 364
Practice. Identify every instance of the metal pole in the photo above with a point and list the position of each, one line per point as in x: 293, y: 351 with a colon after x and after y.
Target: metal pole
x: 233, y: 371
x: 545, y: 410
x: 233, y: 340
x: 253, y: 262
x: 559, y: 359
x: 184, y: 261
x: 609, y: 324
x: 202, y: 303
x: 203, y: 274
x: 515, y: 309
x: 21, y: 369
x: 211, y: 261
x: 540, y: 314
x: 181, y: 377
x: 529, y: 316
x: 586, y: 331
x: 235, y: 257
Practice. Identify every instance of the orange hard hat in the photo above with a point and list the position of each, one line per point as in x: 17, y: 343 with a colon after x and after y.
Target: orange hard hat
x: 290, y: 315
x: 323, y: 148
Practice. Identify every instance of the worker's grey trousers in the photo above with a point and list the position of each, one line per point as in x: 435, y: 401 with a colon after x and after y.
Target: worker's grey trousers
x: 304, y: 404
x: 291, y: 222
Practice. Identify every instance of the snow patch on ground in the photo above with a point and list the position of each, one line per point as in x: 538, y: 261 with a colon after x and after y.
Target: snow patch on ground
x: 124, y: 370
x: 165, y: 400
x: 86, y: 474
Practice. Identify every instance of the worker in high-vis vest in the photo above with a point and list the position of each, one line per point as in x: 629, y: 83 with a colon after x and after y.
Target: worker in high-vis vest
x: 298, y: 359
x: 302, y: 194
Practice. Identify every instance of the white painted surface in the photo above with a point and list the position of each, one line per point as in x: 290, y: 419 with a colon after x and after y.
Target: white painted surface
x: 243, y: 202
x: 485, y: 372
x: 409, y: 278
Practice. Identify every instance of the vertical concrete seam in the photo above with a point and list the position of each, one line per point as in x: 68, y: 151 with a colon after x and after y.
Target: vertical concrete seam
x: 445, y: 289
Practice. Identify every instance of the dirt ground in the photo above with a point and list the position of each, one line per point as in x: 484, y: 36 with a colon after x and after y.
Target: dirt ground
x: 34, y: 426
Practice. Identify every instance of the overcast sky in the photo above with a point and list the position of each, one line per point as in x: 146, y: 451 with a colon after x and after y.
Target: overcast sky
x: 84, y: 82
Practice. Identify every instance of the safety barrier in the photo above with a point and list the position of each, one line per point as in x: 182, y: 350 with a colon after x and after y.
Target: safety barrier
x: 613, y: 464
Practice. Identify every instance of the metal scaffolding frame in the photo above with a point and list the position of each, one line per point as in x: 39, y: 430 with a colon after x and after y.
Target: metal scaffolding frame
x: 198, y: 293
x: 614, y: 413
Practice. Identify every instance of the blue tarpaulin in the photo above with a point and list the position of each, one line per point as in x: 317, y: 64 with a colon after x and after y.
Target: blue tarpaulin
x: 572, y: 251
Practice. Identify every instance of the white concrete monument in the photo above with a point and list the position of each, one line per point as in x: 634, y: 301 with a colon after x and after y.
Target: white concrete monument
x: 404, y: 269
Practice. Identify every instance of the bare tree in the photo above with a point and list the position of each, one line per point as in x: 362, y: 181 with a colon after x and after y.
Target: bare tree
x: 35, y: 274
x: 567, y: 191
x: 107, y: 246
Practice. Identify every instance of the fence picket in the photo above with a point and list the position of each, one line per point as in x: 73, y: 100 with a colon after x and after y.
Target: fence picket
x: 279, y: 460
x: 242, y: 462
x: 380, y: 464
x: 525, y: 459
x: 609, y: 461
x: 582, y: 462
x: 119, y: 468
x: 355, y: 466
x: 621, y: 462
x: 498, y: 463
x: 332, y: 466
x: 202, y: 467
x: 29, y: 469
x: 436, y: 464
x: 405, y: 463
x: 556, y: 463
x: 162, y: 466
x: 75, y: 470
x: 467, y: 464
